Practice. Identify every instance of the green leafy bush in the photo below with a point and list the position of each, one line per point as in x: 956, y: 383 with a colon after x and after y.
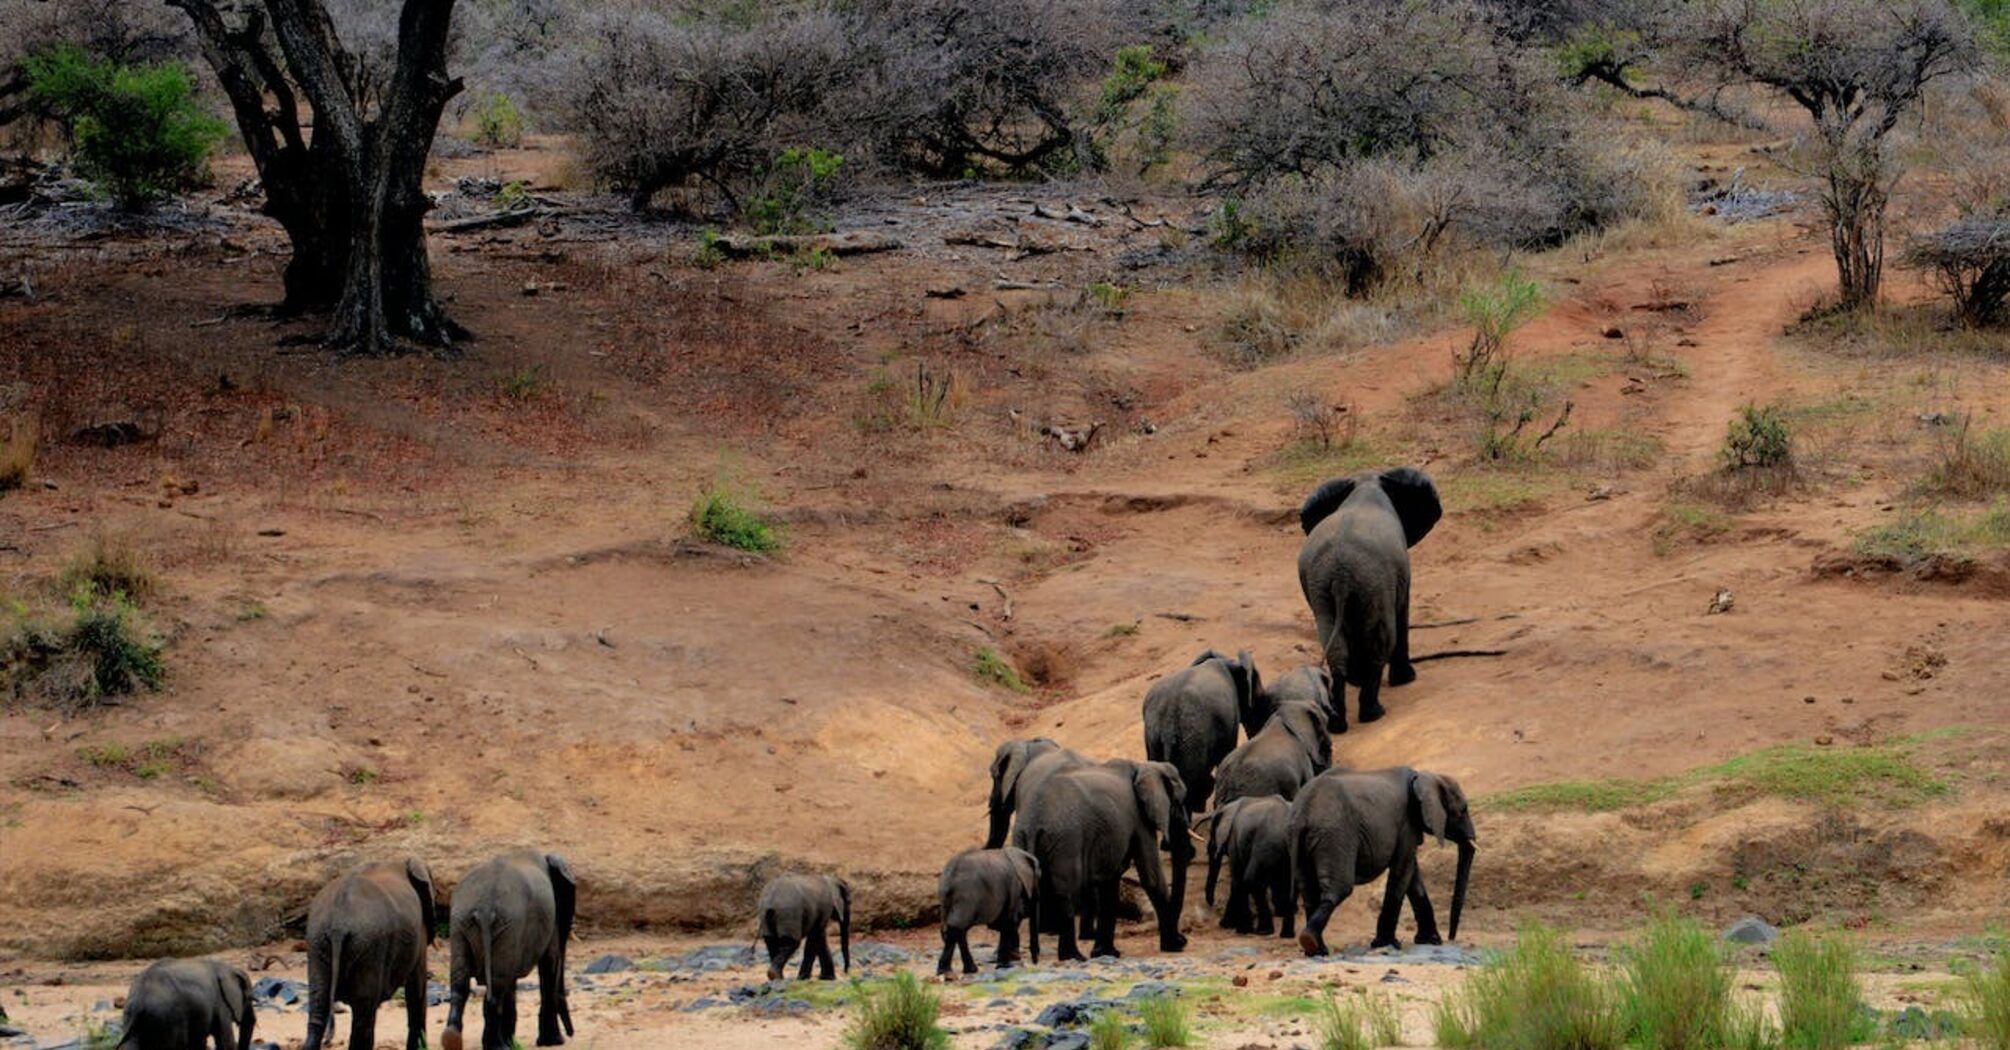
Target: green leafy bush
x: 498, y: 123
x: 1759, y: 437
x: 1820, y: 996
x: 901, y: 1015
x: 796, y: 182
x: 721, y: 516
x: 136, y: 131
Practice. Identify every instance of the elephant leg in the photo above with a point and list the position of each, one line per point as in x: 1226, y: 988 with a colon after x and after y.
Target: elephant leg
x: 1333, y: 648
x: 1401, y: 671
x: 1264, y: 925
x: 458, y: 981
x: 948, y: 949
x: 1236, y: 915
x: 1280, y: 896
x: 320, y: 1010
x: 963, y: 948
x: 495, y: 1029
x: 1420, y: 909
x: 826, y: 966
x: 1371, y: 694
x: 1064, y: 910
x: 1312, y: 939
x: 220, y: 1033
x: 363, y: 1025
x: 550, y: 979
x: 1400, y: 874
x: 779, y: 950
x: 415, y: 1008
x: 1008, y: 945
x: 1213, y: 878
x: 1106, y: 921
x: 809, y: 957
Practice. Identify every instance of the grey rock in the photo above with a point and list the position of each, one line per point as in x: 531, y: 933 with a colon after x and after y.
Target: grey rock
x: 708, y: 959
x: 997, y: 1004
x: 1419, y: 954
x: 1149, y: 989
x: 877, y: 953
x: 704, y: 1002
x: 1751, y: 930
x: 278, y: 990
x: 610, y: 964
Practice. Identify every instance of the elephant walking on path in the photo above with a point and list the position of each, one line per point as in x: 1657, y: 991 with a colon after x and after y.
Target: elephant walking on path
x: 1347, y: 828
x: 510, y: 916
x: 367, y: 935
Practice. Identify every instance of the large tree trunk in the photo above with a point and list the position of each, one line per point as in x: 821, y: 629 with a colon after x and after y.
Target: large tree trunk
x: 351, y: 201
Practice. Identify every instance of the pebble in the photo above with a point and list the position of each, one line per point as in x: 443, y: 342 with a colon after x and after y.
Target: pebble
x: 610, y: 964
x: 1751, y: 930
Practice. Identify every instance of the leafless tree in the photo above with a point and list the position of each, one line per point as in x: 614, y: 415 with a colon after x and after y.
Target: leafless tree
x: 344, y: 176
x: 1856, y: 68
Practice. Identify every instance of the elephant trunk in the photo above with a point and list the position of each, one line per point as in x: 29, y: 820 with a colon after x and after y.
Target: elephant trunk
x: 1465, y: 873
x: 1001, y: 819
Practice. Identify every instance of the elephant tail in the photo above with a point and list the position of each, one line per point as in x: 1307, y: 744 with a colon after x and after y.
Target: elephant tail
x: 485, y: 922
x: 325, y: 1014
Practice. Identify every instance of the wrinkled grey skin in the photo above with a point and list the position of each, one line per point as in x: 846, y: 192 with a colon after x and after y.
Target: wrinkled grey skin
x: 1191, y: 717
x: 798, y: 910
x: 1348, y: 827
x: 1355, y: 571
x: 989, y: 887
x: 1087, y: 826
x: 367, y: 934
x: 1251, y: 837
x: 510, y: 916
x: 183, y: 1004
x: 1291, y: 749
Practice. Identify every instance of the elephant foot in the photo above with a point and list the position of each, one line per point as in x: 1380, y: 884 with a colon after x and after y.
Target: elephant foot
x: 1385, y: 942
x: 970, y: 968
x: 1373, y: 714
x: 943, y: 972
x: 1176, y: 942
x: 1311, y: 945
x: 1105, y: 951
x: 450, y: 1039
x: 774, y: 974
x: 1402, y: 674
x: 1071, y: 955
x: 1428, y: 938
x: 1264, y: 929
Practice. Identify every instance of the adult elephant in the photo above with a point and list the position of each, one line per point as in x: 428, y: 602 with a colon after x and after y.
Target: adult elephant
x: 1086, y: 826
x: 1290, y: 749
x: 1018, y: 768
x: 510, y: 916
x: 180, y: 1003
x: 1252, y: 837
x: 1348, y: 827
x: 1355, y: 571
x: 1191, y: 717
x: 367, y: 934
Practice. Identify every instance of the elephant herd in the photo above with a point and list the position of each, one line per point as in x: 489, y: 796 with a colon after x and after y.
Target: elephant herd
x: 1250, y: 762
x: 368, y: 933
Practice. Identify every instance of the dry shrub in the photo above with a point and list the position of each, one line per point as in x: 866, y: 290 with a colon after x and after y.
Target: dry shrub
x: 112, y: 564
x: 18, y: 440
x: 1967, y: 463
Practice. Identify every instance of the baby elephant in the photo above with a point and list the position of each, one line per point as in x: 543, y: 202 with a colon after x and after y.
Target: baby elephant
x: 796, y: 910
x: 176, y: 1004
x: 989, y: 887
x: 1251, y: 835
x: 509, y: 916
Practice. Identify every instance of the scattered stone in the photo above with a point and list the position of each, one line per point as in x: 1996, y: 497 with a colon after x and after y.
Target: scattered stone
x: 278, y: 991
x: 1751, y: 930
x: 878, y: 953
x: 1615, y: 332
x: 110, y: 434
x: 709, y: 959
x: 704, y: 1002
x: 610, y: 964
x: 1720, y: 604
x: 1240, y: 980
x: 1392, y: 977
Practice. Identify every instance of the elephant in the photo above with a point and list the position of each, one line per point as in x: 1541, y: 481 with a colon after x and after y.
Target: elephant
x: 1191, y: 717
x: 510, y: 916
x: 989, y: 887
x: 1251, y: 836
x: 1310, y: 684
x: 1018, y: 768
x: 1292, y: 748
x: 1347, y: 827
x: 797, y: 910
x: 1355, y: 571
x: 367, y: 935
x: 179, y: 1004
x: 1086, y: 826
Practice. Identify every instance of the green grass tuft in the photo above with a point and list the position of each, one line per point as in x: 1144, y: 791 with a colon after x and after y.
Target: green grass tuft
x: 993, y: 669
x: 1356, y: 1022
x: 1109, y: 1032
x: 1535, y: 996
x: 1821, y: 999
x: 899, y: 1015
x: 1985, y: 997
x: 1677, y: 986
x: 1886, y: 774
x: 1165, y: 1022
x: 1585, y: 796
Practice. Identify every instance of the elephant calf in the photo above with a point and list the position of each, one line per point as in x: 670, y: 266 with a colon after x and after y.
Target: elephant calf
x: 1292, y: 748
x: 511, y: 915
x: 179, y: 1004
x: 367, y: 934
x: 989, y: 887
x: 1251, y: 835
x: 1348, y: 827
x: 798, y: 910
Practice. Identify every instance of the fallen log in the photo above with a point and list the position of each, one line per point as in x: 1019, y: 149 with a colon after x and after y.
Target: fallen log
x: 840, y: 244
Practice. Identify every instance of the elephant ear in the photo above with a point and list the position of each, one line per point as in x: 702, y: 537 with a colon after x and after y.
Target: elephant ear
x: 1249, y: 698
x: 1206, y: 655
x: 1222, y: 834
x: 1306, y: 724
x: 1429, y: 792
x: 1027, y: 868
x: 421, y: 878
x: 1415, y: 499
x: 564, y: 893
x: 1148, y: 783
x: 1323, y: 502
x: 234, y: 986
